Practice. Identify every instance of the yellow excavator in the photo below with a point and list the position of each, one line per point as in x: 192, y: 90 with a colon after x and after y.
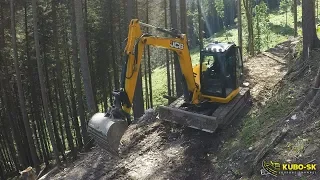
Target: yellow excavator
x: 212, y: 93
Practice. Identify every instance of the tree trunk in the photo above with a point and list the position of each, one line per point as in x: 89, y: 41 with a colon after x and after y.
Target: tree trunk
x: 113, y: 50
x: 317, y: 12
x: 53, y: 109
x: 174, y: 24
x: 10, y: 122
x: 1, y: 171
x: 150, y: 77
x: 200, y: 24
x: 286, y: 17
x: 42, y: 83
x: 34, y: 100
x: 5, y: 154
x: 167, y: 53
x: 213, y: 21
x: 84, y: 58
x: 310, y: 39
x: 7, y: 133
x: 11, y: 149
x: 248, y: 9
x: 149, y: 65
x: 295, y: 18
x: 74, y: 108
x: 57, y: 108
x: 148, y: 98
x: 60, y: 79
x: 147, y: 102
x: 76, y: 68
x: 89, y: 48
x: 239, y: 25
x: 26, y: 122
x: 183, y: 16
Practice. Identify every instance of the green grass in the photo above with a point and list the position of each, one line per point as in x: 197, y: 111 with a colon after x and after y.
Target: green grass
x: 264, y: 117
x: 159, y: 86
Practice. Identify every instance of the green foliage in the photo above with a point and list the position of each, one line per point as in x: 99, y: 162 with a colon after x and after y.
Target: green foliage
x: 192, y: 14
x: 284, y: 5
x: 262, y: 30
x: 219, y: 5
x: 244, y: 29
x: 220, y: 8
x: 318, y: 29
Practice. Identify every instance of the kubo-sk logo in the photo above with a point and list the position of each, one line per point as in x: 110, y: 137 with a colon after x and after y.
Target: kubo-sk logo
x: 277, y: 168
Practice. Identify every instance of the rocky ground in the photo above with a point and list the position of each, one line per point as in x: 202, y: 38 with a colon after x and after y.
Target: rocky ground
x: 155, y: 149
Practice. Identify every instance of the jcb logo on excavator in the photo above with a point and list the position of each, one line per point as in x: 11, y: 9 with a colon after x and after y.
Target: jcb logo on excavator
x: 176, y: 45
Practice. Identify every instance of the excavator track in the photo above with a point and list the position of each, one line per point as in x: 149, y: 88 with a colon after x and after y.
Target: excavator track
x: 207, y: 118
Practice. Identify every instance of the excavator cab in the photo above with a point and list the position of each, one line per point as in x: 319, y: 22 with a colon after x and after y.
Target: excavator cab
x: 221, y: 70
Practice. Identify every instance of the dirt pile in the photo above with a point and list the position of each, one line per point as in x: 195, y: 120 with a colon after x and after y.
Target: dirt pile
x: 155, y: 149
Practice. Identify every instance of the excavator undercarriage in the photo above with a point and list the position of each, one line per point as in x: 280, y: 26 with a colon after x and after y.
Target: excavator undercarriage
x: 205, y: 116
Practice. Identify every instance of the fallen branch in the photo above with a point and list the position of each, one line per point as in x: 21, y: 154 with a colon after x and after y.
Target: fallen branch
x: 311, y: 93
x: 275, y: 141
x: 52, y: 171
x: 273, y: 57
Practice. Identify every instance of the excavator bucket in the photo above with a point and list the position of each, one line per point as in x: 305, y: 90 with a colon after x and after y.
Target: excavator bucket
x: 107, y: 132
x: 207, y: 118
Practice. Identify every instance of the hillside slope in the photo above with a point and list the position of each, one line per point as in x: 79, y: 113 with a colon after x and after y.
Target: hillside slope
x: 155, y: 149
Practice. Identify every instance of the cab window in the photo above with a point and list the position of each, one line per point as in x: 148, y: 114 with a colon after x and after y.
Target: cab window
x: 211, y: 81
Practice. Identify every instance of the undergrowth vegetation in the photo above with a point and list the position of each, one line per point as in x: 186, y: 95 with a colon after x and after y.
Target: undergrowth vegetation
x: 266, y: 116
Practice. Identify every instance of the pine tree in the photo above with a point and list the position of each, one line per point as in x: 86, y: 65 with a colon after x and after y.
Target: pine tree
x: 84, y: 57
x: 42, y: 82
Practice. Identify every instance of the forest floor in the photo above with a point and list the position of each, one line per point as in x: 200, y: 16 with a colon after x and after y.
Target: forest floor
x: 156, y: 149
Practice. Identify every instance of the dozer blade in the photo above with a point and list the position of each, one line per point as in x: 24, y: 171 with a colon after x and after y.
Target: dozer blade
x: 107, y: 132
x: 190, y: 119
